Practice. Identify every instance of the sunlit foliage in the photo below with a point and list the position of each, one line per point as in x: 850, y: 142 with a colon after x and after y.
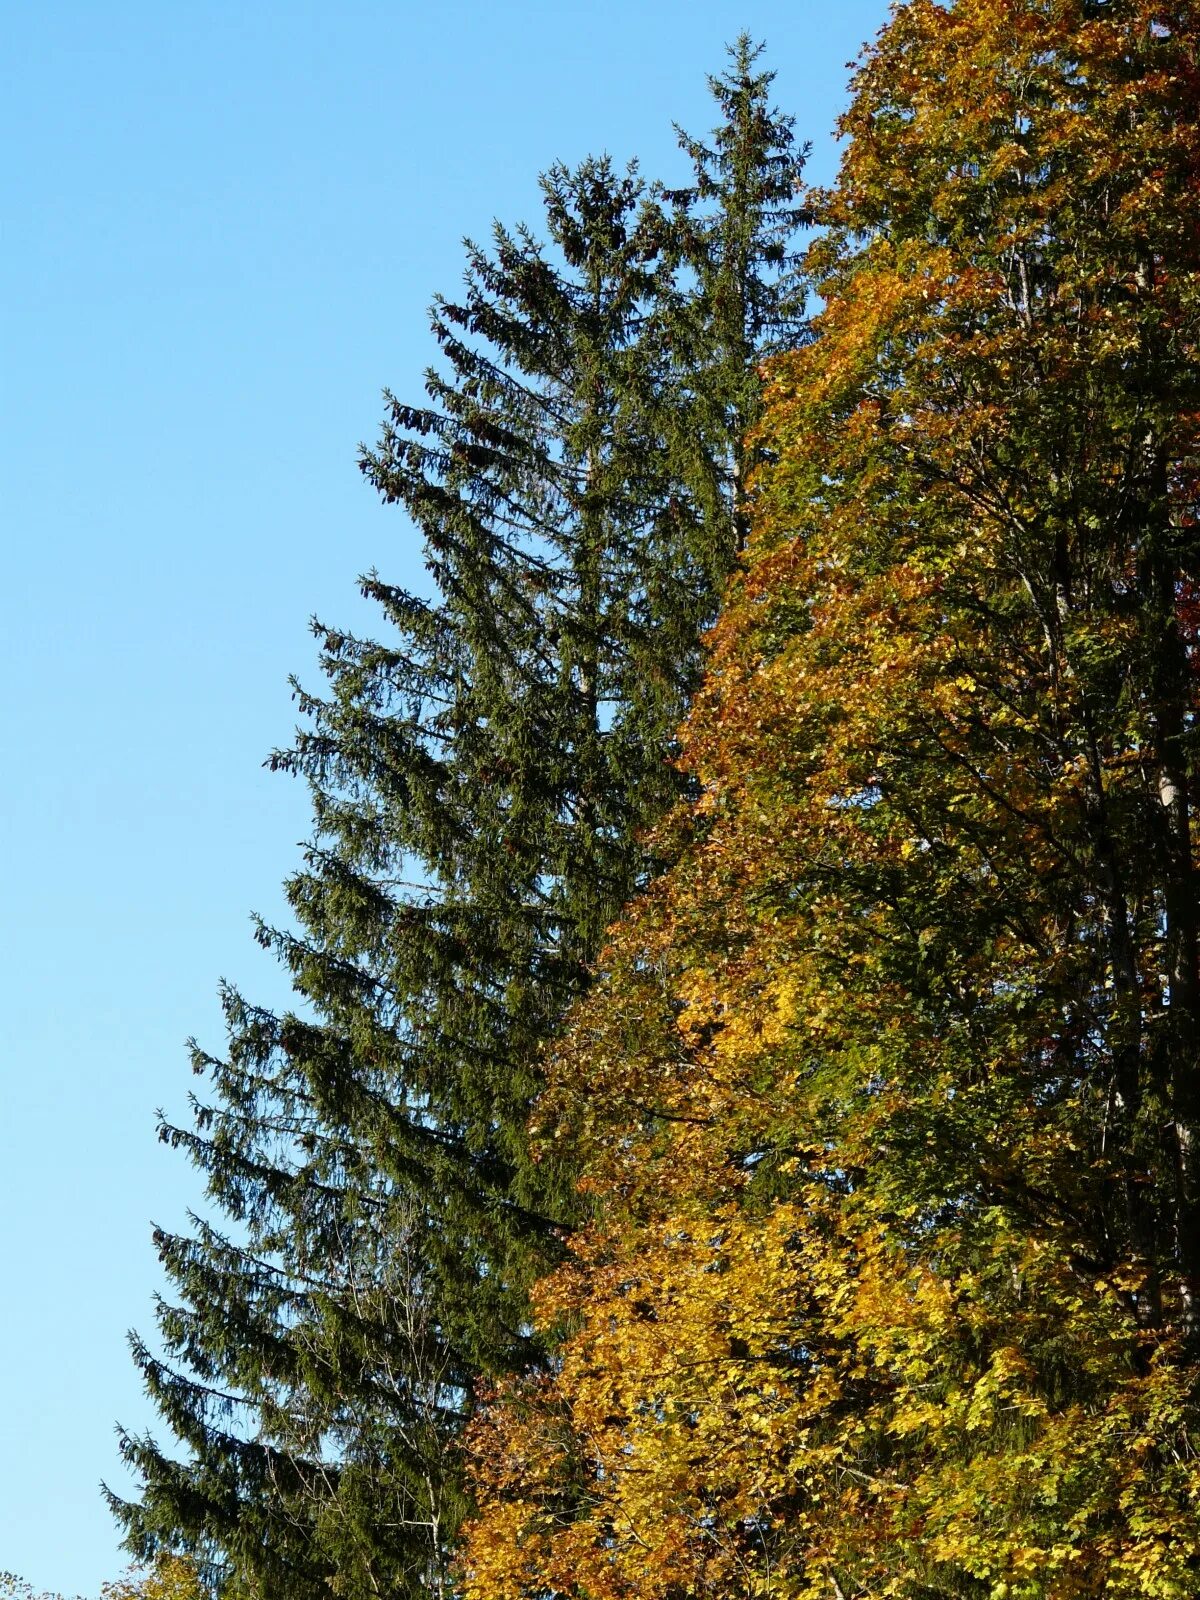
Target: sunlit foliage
x: 888, y: 1095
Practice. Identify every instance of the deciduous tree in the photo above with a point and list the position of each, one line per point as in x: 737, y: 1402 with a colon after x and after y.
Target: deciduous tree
x: 887, y: 1095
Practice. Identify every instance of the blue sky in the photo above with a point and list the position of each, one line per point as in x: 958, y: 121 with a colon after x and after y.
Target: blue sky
x: 223, y: 223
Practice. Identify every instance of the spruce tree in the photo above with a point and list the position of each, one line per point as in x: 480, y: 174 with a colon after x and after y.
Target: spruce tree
x: 734, y: 231
x: 481, y: 781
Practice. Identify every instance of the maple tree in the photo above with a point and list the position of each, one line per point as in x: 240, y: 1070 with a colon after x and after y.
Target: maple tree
x: 887, y: 1094
x: 169, y: 1578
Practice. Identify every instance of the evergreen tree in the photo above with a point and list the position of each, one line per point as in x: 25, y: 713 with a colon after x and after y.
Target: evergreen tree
x: 734, y: 228
x: 481, y: 783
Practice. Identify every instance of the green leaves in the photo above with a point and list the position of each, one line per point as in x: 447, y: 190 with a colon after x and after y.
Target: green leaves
x: 885, y: 1098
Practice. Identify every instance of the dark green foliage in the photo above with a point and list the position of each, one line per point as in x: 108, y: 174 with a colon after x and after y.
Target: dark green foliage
x: 481, y: 776
x: 735, y: 228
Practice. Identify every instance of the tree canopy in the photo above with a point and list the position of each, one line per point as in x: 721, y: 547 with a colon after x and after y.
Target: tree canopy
x: 886, y: 1096
x: 482, y: 775
x: 760, y: 1161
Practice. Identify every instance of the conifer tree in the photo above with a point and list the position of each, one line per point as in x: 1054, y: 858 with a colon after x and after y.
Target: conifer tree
x: 735, y: 228
x: 481, y: 781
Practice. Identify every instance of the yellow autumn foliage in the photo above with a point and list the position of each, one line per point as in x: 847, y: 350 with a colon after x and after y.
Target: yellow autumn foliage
x: 887, y: 1093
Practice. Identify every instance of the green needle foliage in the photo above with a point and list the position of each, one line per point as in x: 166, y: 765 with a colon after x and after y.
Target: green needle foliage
x: 483, y: 775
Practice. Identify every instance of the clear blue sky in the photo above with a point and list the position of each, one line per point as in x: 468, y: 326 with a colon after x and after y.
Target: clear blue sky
x: 223, y: 222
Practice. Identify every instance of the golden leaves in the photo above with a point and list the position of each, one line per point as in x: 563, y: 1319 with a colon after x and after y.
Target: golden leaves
x: 860, y: 1310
